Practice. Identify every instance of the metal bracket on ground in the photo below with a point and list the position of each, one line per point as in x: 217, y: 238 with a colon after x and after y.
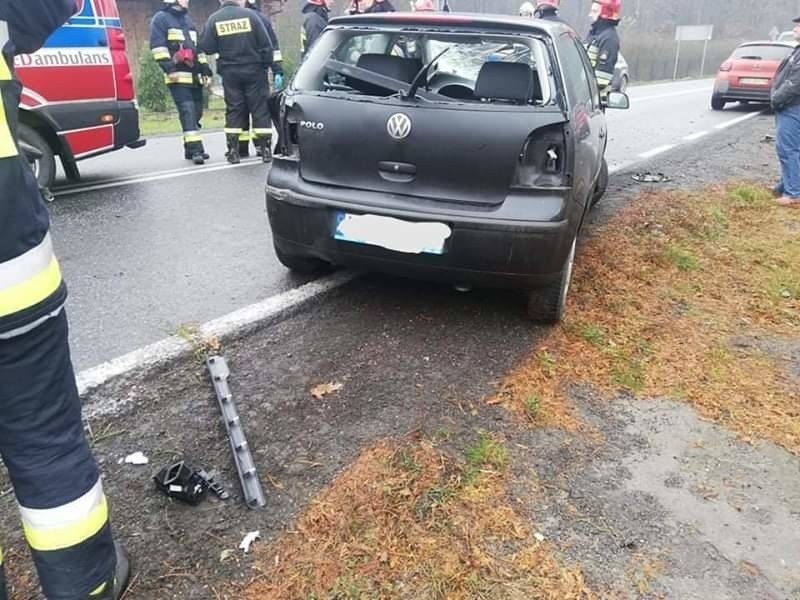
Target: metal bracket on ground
x: 251, y: 486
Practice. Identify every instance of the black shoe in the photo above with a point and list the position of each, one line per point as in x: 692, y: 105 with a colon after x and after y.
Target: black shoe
x: 244, y: 150
x: 206, y: 156
x: 199, y: 159
x: 233, y: 157
x: 117, y: 586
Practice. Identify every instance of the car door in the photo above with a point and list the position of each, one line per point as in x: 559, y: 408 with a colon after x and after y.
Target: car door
x: 585, y: 114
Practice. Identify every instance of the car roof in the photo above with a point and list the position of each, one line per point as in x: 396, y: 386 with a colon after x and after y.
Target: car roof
x: 467, y: 20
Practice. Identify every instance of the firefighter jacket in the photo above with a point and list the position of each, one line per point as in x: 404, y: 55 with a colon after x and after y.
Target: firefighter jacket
x: 173, y: 42
x: 31, y: 287
x: 277, y: 58
x: 238, y: 36
x: 315, y: 20
x: 603, y: 49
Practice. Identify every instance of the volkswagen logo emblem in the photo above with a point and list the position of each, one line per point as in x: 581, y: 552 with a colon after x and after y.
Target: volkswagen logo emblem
x: 399, y: 126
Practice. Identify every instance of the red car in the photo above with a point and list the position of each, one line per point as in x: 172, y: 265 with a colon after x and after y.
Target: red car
x: 747, y: 75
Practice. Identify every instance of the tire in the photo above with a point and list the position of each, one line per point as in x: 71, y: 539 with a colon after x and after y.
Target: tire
x: 546, y: 305
x: 45, y: 167
x: 602, y: 184
x: 717, y: 103
x: 305, y: 265
x: 623, y: 84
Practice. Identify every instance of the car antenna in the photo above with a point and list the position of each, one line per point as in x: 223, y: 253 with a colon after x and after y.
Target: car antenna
x: 421, y: 75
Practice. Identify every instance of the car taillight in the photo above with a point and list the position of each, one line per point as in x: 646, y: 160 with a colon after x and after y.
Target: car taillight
x: 122, y: 69
x: 726, y: 66
x: 542, y: 160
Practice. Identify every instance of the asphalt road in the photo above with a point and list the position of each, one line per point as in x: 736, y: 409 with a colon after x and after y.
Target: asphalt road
x: 148, y: 243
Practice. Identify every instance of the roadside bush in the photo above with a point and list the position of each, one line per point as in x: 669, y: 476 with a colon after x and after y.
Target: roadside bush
x: 151, y: 90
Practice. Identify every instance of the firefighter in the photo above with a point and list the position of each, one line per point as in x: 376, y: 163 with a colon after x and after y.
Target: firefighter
x: 603, y: 46
x: 315, y: 20
x: 173, y: 41
x: 548, y: 10
x: 277, y: 76
x: 238, y: 36
x: 55, y: 477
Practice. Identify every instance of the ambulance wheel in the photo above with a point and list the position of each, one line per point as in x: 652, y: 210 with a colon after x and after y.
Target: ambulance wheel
x: 305, y: 265
x: 717, y: 102
x: 44, y: 166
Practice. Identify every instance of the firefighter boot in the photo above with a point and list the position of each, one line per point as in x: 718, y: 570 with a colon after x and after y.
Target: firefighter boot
x: 116, y: 586
x: 233, y: 149
x: 265, y: 148
x: 244, y: 145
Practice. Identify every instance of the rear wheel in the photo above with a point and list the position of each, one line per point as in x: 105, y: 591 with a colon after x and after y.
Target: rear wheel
x: 717, y: 102
x: 602, y: 183
x: 306, y: 265
x: 623, y: 84
x: 546, y: 305
x: 44, y: 166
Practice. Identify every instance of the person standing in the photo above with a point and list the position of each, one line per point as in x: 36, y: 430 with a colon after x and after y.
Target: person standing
x: 785, y: 101
x: 277, y: 77
x: 548, y: 10
x: 173, y: 42
x: 56, y: 480
x: 239, y: 38
x: 603, y: 47
x: 315, y: 19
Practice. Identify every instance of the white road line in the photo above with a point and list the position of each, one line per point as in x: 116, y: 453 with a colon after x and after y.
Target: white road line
x: 234, y: 324
x: 737, y: 120
x: 635, y: 100
x: 159, y: 176
x: 657, y: 151
x: 696, y: 136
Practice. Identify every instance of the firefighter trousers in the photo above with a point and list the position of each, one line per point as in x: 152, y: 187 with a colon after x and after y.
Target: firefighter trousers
x: 189, y: 102
x: 55, y: 478
x: 246, y: 95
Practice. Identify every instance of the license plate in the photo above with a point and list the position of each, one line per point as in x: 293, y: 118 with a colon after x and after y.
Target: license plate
x: 392, y: 234
x: 753, y: 81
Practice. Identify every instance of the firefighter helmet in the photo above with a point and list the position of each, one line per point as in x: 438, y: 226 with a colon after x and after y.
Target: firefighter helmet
x: 553, y: 3
x: 611, y: 10
x: 423, y: 5
x: 526, y: 10
x: 253, y: 3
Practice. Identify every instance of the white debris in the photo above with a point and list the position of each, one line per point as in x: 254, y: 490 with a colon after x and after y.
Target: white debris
x: 137, y: 458
x: 539, y: 537
x: 248, y: 541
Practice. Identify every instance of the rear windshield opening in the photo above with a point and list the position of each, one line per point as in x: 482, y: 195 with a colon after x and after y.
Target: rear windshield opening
x: 765, y: 52
x: 491, y: 69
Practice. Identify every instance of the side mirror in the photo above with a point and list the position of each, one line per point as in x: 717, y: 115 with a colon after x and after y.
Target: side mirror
x: 619, y: 100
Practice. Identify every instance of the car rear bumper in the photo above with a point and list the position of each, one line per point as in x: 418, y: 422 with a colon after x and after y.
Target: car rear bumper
x: 733, y: 93
x: 483, y: 249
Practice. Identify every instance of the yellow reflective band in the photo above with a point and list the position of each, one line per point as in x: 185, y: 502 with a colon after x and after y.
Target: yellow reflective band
x: 98, y: 590
x: 244, y: 137
x: 192, y: 138
x: 603, y: 77
x: 5, y: 72
x: 8, y: 147
x: 258, y: 131
x: 67, y: 536
x: 32, y: 291
x: 175, y: 35
x: 161, y: 53
x: 193, y: 36
x: 233, y: 27
x: 277, y: 56
x: 182, y: 78
x: 232, y: 130
x: 1, y: 557
x: 202, y: 59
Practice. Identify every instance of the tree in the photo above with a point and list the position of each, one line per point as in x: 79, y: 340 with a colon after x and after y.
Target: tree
x: 151, y: 90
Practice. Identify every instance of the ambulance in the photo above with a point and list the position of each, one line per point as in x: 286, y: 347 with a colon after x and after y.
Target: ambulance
x: 78, y: 99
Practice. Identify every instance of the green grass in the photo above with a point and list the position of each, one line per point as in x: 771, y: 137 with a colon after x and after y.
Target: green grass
x: 681, y: 258
x: 167, y: 123
x: 745, y: 195
x: 595, y: 335
x: 532, y: 406
x: 629, y: 374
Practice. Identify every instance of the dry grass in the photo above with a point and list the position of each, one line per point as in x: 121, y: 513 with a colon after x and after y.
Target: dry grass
x: 410, y: 522
x: 663, y: 297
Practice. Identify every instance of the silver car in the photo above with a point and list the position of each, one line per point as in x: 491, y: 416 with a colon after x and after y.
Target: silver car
x: 621, y: 76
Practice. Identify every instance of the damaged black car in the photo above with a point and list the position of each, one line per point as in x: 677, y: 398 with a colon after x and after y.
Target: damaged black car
x: 465, y: 149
